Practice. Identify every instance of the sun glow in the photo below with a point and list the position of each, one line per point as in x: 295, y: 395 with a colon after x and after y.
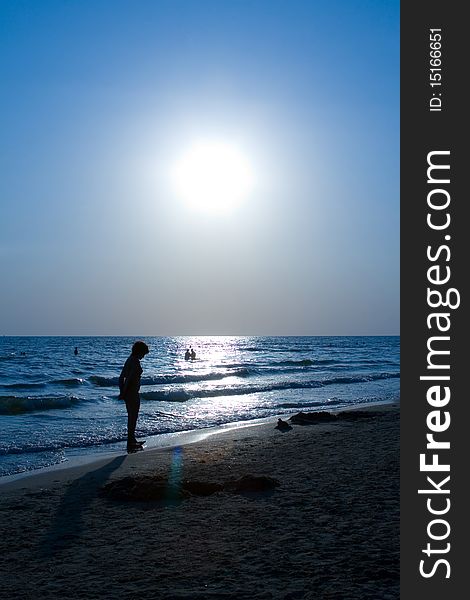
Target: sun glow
x: 213, y: 177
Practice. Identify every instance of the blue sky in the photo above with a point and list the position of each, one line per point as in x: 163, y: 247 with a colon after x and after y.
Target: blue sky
x: 99, y: 99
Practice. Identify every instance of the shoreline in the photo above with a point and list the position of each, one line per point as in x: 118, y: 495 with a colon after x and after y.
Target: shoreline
x: 79, y: 462
x: 327, y: 527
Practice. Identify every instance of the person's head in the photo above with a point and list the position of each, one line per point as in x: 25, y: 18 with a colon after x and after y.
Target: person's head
x: 140, y: 349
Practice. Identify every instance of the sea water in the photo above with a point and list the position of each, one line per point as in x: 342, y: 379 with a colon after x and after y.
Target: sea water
x: 55, y: 404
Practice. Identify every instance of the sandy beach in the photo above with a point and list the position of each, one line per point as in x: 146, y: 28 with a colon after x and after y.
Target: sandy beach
x: 308, y: 512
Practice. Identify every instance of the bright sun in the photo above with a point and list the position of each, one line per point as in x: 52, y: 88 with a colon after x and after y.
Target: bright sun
x: 213, y: 176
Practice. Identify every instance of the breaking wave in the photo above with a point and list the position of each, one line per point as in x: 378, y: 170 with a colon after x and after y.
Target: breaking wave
x: 171, y: 379
x: 181, y: 395
x: 13, y: 405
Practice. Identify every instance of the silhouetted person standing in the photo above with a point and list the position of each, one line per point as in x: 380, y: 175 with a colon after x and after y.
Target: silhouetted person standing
x: 75, y: 351
x: 193, y: 353
x: 129, y: 385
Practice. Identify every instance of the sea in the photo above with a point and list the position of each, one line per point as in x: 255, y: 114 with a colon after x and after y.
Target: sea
x: 57, y: 405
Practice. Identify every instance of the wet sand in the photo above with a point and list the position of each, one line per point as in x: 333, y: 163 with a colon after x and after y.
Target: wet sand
x: 311, y: 512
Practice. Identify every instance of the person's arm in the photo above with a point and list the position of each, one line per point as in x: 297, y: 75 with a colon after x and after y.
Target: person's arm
x: 128, y: 373
x: 122, y: 381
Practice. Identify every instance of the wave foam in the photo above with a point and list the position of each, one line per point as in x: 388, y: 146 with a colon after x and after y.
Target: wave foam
x: 73, y: 382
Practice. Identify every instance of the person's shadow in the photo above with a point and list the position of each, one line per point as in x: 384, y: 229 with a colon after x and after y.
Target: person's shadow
x: 66, y: 526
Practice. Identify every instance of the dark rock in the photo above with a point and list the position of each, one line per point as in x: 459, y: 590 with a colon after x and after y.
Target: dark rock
x: 283, y: 425
x: 354, y: 415
x: 303, y: 418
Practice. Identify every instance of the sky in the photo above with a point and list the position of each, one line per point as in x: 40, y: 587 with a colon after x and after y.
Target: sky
x: 101, y: 103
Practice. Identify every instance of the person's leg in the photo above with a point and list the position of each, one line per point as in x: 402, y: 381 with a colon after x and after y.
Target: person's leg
x: 132, y: 406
